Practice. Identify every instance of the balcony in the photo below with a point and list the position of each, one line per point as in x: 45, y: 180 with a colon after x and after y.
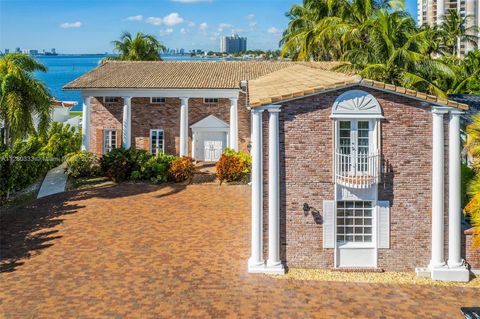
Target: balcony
x: 357, y: 170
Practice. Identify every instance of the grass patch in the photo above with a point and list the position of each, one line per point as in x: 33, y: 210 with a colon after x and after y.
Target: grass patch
x: 394, y: 278
x: 21, y: 199
x: 76, y: 113
x: 87, y: 182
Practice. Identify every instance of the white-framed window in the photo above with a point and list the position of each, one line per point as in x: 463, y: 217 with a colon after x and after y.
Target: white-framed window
x: 157, y: 100
x: 210, y: 100
x: 157, y: 141
x: 355, y: 140
x: 109, y: 140
x: 110, y: 99
x: 354, y: 222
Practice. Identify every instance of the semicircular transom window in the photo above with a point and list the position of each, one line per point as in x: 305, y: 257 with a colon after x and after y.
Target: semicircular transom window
x: 356, y: 103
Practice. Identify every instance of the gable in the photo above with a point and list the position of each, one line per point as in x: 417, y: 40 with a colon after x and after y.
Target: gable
x: 210, y: 121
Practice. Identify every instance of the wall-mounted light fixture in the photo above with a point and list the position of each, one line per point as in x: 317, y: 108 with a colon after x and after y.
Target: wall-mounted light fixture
x: 306, y: 209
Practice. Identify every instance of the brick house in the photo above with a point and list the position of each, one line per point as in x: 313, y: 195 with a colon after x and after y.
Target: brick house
x: 347, y: 173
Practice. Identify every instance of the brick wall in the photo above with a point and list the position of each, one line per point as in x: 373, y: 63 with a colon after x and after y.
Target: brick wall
x: 166, y: 116
x: 472, y: 255
x: 306, y: 174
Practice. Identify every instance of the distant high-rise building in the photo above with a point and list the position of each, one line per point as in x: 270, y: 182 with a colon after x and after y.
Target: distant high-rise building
x: 54, y: 51
x: 7, y: 51
x: 18, y: 50
x: 233, y: 44
x: 432, y: 12
x: 33, y: 52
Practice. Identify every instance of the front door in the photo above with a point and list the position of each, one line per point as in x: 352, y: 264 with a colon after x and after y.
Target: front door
x: 212, y: 150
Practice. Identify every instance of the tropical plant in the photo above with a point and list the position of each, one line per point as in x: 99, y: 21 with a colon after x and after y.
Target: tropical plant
x: 473, y: 148
x: 233, y: 166
x: 181, y: 169
x: 141, y: 47
x: 22, y: 97
x: 455, y: 28
x: 155, y: 169
x: 82, y: 164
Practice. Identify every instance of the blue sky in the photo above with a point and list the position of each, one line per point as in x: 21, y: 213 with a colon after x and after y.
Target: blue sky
x: 88, y: 26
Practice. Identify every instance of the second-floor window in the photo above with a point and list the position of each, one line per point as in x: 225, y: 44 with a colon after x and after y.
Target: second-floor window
x: 109, y: 140
x: 157, y: 100
x: 209, y: 100
x: 354, y: 144
x: 110, y: 99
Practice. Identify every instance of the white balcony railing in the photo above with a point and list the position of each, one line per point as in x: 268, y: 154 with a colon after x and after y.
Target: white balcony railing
x: 357, y: 170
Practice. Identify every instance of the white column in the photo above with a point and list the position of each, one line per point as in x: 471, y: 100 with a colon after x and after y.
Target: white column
x: 454, y: 193
x: 274, y: 264
x: 184, y: 126
x: 127, y: 122
x: 86, y: 124
x: 437, y: 190
x: 233, y: 124
x: 256, y: 262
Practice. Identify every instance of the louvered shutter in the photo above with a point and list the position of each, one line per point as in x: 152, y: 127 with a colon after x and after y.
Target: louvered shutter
x: 383, y: 224
x: 328, y: 224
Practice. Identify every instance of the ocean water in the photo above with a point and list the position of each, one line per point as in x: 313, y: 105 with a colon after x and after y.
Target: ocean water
x: 65, y: 68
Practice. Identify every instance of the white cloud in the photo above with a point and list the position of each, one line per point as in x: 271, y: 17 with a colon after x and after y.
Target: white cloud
x: 252, y: 24
x: 166, y: 32
x: 250, y: 17
x: 183, y: 31
x: 191, y: 1
x: 273, y: 30
x: 154, y: 20
x: 203, y: 26
x: 169, y: 20
x: 172, y: 19
x: 191, y: 23
x: 67, y: 25
x: 135, y: 18
x: 223, y: 26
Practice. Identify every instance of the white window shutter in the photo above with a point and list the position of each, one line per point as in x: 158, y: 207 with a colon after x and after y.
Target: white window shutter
x: 383, y: 224
x: 328, y: 224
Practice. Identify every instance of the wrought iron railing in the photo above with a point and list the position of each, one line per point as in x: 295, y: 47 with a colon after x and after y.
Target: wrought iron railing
x: 357, y: 170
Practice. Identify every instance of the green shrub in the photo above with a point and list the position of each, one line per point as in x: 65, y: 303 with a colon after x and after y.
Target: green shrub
x: 82, y: 164
x: 119, y: 164
x: 28, y: 160
x: 181, y: 169
x: 155, y: 169
x: 234, y: 166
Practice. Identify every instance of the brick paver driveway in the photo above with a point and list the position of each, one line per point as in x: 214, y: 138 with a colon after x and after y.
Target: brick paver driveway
x: 141, y: 251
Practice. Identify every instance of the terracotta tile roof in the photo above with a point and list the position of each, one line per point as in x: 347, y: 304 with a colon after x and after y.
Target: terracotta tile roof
x: 182, y: 75
x: 300, y: 80
x: 295, y: 81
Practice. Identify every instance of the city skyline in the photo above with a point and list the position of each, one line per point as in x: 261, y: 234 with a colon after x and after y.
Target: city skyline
x: 89, y: 26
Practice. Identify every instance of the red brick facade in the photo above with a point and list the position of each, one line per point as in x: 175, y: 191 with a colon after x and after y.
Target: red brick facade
x: 166, y: 116
x: 306, y: 175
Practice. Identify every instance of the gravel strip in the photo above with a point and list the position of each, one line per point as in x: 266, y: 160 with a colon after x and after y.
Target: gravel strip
x: 403, y: 278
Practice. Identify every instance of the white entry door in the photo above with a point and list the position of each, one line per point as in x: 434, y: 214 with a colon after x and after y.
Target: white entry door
x: 212, y: 150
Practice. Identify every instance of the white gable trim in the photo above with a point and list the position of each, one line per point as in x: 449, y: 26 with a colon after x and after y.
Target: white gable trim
x: 210, y: 123
x: 356, y: 103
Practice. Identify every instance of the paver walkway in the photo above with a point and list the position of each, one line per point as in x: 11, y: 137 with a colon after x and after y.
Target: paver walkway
x: 54, y: 182
x: 142, y: 251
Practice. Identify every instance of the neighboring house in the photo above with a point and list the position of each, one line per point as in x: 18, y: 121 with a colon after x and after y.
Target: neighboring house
x: 61, y: 113
x: 347, y: 173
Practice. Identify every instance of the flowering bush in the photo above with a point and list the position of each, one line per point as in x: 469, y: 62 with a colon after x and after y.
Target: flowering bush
x: 234, y: 166
x: 82, y: 164
x: 181, y: 169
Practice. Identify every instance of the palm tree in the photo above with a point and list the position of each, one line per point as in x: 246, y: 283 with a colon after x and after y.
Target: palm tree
x: 22, y: 97
x: 468, y: 75
x: 454, y: 29
x: 142, y: 47
x: 395, y: 52
x: 473, y: 148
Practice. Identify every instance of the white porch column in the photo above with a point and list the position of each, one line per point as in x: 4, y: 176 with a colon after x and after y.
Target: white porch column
x: 437, y: 190
x: 127, y: 122
x: 256, y: 262
x: 86, y: 124
x: 184, y: 126
x: 454, y: 193
x: 233, y: 143
x: 274, y: 264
